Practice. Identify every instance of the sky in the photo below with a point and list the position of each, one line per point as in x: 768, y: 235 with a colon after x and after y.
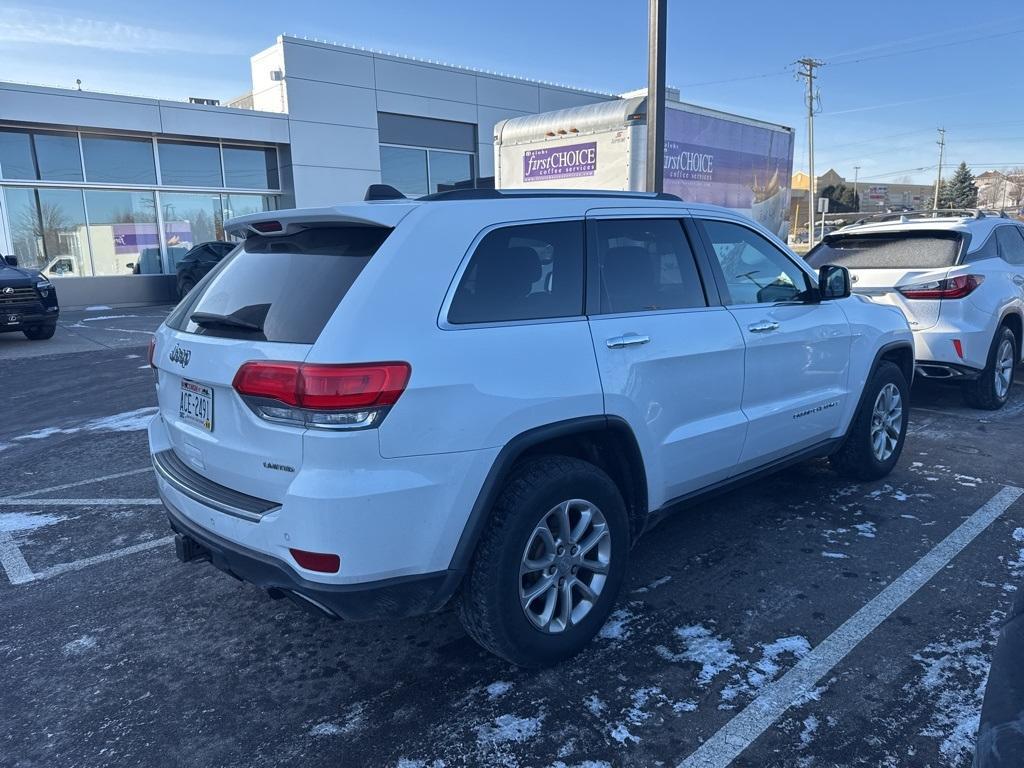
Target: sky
x: 894, y: 72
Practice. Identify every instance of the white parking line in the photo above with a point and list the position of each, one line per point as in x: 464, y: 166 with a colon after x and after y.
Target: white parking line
x: 12, y: 560
x: 742, y: 730
x: 77, y: 483
x: 14, y: 502
x: 77, y: 565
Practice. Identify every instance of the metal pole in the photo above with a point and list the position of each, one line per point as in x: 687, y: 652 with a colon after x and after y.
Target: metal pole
x: 657, y: 18
x: 808, y: 65
x: 856, y: 193
x: 938, y: 179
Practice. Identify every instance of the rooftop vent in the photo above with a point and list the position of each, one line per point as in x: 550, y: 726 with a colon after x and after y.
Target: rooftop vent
x: 204, y: 102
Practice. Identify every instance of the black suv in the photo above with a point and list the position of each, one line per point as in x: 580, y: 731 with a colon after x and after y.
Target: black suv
x: 198, y: 261
x: 28, y: 301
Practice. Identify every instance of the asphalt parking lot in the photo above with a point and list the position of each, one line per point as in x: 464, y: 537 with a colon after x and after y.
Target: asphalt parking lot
x: 801, y: 621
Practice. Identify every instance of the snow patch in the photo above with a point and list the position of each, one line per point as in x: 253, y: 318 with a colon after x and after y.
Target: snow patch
x: 835, y: 555
x: 508, y: 728
x: 1018, y: 535
x: 81, y: 645
x: 947, y: 669
x: 129, y: 421
x: 621, y: 734
x: 617, y: 626
x: 106, y: 317
x: 810, y: 726
x: 594, y: 704
x: 653, y: 585
x: 404, y: 762
x: 26, y: 521
x: 700, y: 646
x: 767, y: 667
x: 500, y: 688
x: 353, y: 722
x: 97, y: 308
x: 867, y: 530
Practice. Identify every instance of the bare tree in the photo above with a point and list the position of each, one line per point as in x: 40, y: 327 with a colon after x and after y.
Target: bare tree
x: 1015, y: 186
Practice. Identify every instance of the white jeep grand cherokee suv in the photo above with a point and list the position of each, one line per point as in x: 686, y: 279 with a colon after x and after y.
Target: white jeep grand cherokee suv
x: 959, y: 278
x: 375, y: 408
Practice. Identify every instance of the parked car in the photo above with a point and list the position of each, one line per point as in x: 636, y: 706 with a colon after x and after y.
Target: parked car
x: 959, y: 278
x: 373, y: 409
x: 194, y: 265
x: 28, y: 301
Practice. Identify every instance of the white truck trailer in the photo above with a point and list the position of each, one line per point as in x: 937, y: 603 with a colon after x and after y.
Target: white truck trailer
x: 710, y: 156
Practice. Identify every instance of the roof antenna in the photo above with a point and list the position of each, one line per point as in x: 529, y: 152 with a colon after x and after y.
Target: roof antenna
x: 383, y: 192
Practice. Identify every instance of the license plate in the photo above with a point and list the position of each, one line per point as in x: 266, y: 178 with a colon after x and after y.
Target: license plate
x: 196, y: 405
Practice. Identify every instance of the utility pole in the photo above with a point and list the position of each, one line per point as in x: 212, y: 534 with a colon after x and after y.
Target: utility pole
x: 807, y: 67
x: 856, y: 193
x: 938, y: 179
x: 657, y: 16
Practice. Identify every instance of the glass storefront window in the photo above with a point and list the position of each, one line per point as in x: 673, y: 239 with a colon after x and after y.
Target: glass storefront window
x: 123, y: 231
x: 16, y: 160
x: 250, y: 168
x: 404, y: 169
x: 48, y: 230
x: 450, y: 170
x: 190, y: 219
x: 118, y: 160
x: 58, y: 157
x: 188, y: 164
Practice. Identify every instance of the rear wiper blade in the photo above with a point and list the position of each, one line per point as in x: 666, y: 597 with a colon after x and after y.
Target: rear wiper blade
x: 209, y: 318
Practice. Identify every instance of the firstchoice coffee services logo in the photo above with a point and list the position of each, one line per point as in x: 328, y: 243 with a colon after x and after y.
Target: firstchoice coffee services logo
x: 569, y: 162
x: 688, y: 163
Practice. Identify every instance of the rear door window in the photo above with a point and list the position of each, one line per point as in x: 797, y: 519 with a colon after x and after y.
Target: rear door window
x: 280, y: 288
x: 525, y: 272
x: 1011, y: 244
x: 646, y: 265
x: 889, y: 250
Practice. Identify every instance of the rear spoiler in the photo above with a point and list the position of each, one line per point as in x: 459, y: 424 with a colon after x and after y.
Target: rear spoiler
x: 386, y: 215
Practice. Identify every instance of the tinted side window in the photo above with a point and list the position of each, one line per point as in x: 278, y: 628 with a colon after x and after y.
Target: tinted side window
x: 646, y: 265
x: 1011, y: 244
x: 756, y: 272
x: 524, y: 272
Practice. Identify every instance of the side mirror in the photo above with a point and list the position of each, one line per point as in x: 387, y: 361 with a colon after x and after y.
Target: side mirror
x: 12, y: 260
x: 833, y: 282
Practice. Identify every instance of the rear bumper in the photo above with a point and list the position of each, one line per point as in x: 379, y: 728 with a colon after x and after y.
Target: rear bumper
x: 387, y: 599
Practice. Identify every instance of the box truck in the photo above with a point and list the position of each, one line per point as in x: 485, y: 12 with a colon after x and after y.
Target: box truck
x: 710, y: 156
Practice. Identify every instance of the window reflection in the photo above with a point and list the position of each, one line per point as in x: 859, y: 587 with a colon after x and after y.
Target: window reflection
x: 48, y: 230
x: 122, y: 227
x: 118, y: 160
x: 190, y: 219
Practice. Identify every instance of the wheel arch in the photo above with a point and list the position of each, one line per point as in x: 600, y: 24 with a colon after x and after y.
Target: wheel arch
x: 899, y: 352
x: 1011, y: 318
x: 607, y: 442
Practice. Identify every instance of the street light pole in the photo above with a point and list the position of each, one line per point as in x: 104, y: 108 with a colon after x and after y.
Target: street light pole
x: 657, y: 18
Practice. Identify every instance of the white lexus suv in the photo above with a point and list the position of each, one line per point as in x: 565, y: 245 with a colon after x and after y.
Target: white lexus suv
x: 485, y: 397
x: 959, y: 278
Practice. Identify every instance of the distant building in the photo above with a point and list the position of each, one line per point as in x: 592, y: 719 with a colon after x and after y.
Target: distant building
x: 874, y: 197
x: 1000, y: 191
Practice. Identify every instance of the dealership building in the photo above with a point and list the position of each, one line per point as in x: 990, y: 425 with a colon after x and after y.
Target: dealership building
x: 108, y: 192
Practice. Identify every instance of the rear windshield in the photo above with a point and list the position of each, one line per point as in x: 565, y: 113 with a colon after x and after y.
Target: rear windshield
x: 282, y: 288
x: 888, y: 250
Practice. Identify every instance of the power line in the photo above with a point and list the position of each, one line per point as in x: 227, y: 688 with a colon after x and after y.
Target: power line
x: 922, y: 49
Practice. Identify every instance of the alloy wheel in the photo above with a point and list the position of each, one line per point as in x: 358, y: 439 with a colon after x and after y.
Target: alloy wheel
x: 1004, y: 368
x: 886, y: 421
x: 564, y: 566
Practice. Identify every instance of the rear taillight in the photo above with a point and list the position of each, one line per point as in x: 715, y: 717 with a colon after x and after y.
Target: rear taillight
x: 948, y: 288
x: 351, y: 396
x: 151, y: 354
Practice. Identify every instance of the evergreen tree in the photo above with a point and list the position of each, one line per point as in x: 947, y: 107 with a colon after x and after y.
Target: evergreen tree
x: 841, y: 198
x: 960, y: 191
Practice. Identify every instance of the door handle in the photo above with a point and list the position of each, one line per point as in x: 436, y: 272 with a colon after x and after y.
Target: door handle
x: 629, y: 340
x: 1018, y: 279
x: 763, y: 327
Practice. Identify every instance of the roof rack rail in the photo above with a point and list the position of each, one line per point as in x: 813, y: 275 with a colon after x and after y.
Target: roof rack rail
x: 510, y: 194
x: 974, y: 213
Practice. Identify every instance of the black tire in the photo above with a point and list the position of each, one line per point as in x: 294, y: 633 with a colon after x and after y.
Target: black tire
x: 981, y: 392
x: 185, y: 287
x: 856, y: 458
x: 40, y: 332
x: 489, y: 603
